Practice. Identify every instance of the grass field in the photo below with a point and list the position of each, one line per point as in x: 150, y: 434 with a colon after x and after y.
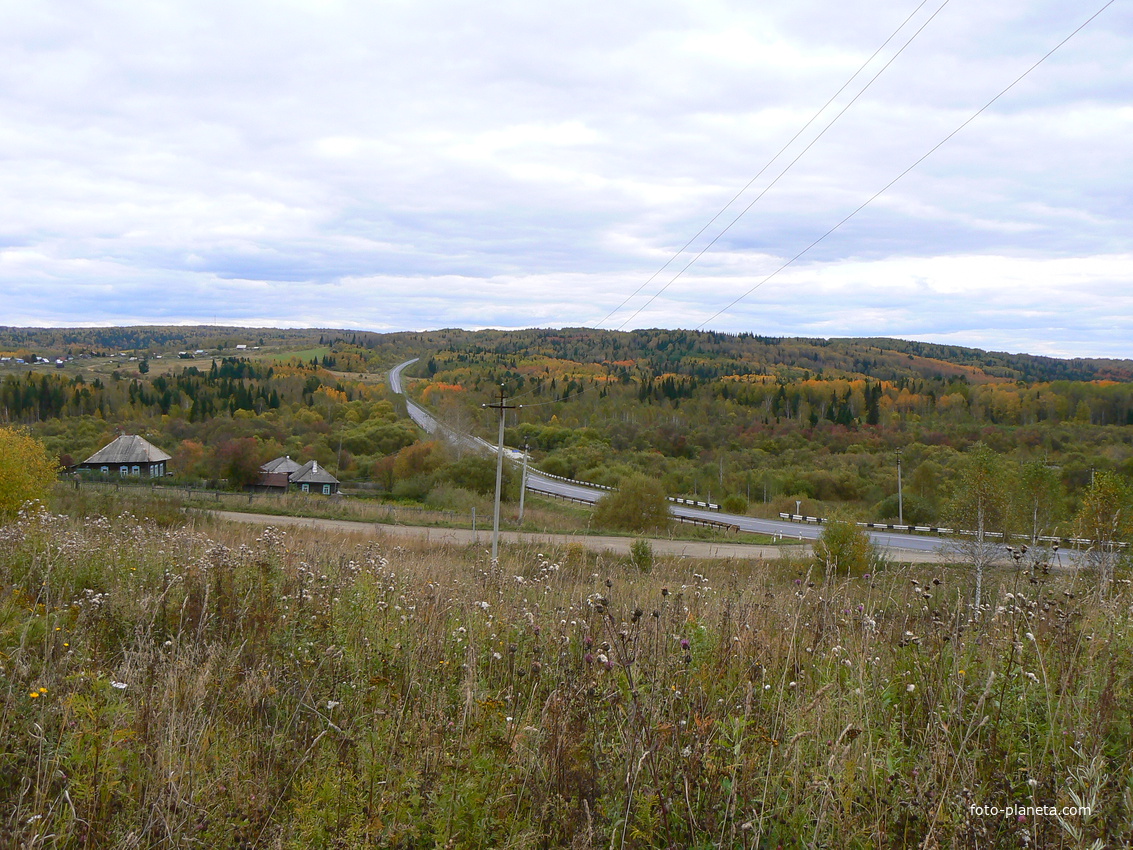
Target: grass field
x: 546, y: 515
x: 172, y: 685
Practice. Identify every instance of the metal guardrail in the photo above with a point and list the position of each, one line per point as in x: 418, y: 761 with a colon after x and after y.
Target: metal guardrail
x: 684, y: 520
x: 692, y: 503
x: 574, y: 499
x: 1082, y: 542
x: 707, y: 523
x: 574, y: 481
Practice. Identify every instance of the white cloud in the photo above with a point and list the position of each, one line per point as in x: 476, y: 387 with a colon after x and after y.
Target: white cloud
x: 425, y: 164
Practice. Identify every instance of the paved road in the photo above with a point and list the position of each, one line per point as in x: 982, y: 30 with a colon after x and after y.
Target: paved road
x: 887, y: 540
x: 699, y: 549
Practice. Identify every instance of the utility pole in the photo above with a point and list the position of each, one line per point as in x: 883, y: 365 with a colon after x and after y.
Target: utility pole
x: 900, y: 497
x: 502, y: 407
x: 523, y: 483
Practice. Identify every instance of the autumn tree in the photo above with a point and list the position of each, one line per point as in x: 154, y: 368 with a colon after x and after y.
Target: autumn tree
x: 978, y: 507
x: 239, y: 461
x: 1038, y: 498
x: 27, y: 471
x: 1103, y: 519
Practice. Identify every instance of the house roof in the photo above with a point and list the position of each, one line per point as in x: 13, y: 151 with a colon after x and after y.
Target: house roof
x: 282, y: 464
x: 312, y: 473
x: 129, y: 448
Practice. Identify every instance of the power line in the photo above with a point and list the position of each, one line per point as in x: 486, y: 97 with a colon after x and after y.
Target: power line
x: 789, y: 166
x: 921, y: 159
x: 778, y: 154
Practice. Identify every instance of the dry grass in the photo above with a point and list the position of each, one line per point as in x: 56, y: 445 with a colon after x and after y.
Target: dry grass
x: 208, y: 687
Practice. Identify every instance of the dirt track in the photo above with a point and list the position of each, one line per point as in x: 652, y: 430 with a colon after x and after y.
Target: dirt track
x: 464, y: 536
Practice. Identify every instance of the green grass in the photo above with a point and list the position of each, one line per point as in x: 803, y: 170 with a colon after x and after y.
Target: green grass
x: 541, y: 515
x: 211, y: 685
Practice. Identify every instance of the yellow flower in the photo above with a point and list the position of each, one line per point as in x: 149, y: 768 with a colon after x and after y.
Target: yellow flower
x: 43, y: 690
x: 34, y: 695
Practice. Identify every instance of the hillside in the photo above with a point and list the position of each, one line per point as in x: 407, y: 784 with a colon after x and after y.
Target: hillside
x: 769, y: 421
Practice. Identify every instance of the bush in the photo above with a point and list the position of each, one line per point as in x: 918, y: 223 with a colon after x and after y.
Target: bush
x: 638, y: 505
x: 845, y: 549
x: 26, y: 470
x: 478, y: 473
x: 641, y: 555
x: 734, y: 505
x: 916, y: 511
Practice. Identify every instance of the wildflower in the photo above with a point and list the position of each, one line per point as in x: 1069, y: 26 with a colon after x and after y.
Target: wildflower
x: 684, y: 643
x: 119, y: 685
x: 910, y: 688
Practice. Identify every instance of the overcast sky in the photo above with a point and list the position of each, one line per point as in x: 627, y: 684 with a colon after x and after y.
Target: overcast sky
x: 423, y: 163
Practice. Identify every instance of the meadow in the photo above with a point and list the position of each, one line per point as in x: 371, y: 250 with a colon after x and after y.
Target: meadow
x: 183, y: 683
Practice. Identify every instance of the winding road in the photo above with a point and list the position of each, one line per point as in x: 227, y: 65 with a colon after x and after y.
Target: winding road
x: 539, y: 482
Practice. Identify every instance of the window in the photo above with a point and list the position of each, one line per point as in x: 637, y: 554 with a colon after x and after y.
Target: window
x: 326, y: 489
x: 136, y: 470
x: 306, y: 488
x: 105, y: 470
x: 123, y: 471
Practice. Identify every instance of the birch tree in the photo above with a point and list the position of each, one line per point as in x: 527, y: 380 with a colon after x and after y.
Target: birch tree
x: 1103, y: 519
x: 979, y: 507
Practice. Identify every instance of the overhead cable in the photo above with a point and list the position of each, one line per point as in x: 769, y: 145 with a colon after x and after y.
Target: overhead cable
x: 921, y: 159
x: 788, y: 167
x: 769, y: 163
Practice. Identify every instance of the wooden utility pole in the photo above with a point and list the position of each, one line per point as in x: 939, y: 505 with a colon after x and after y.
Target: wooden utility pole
x: 900, y: 496
x: 523, y: 483
x: 502, y: 406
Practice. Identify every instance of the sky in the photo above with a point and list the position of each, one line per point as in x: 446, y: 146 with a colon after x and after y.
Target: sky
x: 399, y: 165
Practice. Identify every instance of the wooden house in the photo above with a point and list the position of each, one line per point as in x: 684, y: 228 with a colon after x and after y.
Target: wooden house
x: 129, y: 455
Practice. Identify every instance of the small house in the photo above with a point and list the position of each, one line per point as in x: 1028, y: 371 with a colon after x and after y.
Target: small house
x: 129, y: 455
x: 276, y: 474
x: 313, y: 478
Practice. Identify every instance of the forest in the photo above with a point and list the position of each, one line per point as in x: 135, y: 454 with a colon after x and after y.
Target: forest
x: 763, y: 421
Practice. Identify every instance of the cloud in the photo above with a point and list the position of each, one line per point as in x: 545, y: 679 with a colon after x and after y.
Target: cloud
x: 428, y: 164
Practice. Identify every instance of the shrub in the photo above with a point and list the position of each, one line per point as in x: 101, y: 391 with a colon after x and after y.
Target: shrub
x: 478, y: 473
x: 26, y: 470
x: 734, y: 505
x: 641, y: 555
x: 638, y: 505
x: 845, y: 549
x: 914, y: 511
